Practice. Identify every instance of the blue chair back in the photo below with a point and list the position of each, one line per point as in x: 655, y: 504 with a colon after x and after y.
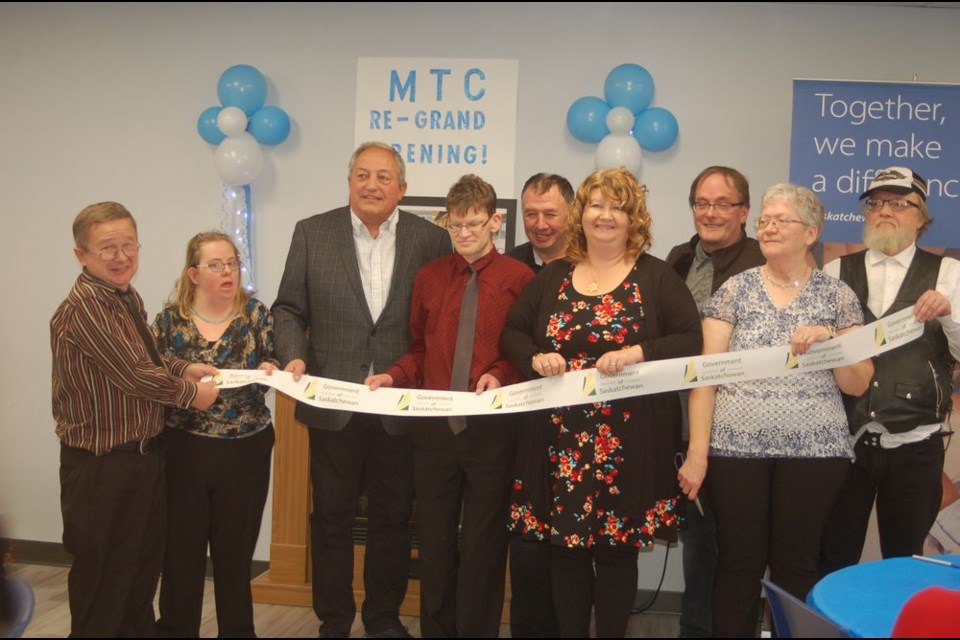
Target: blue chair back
x: 794, y: 618
x: 20, y: 599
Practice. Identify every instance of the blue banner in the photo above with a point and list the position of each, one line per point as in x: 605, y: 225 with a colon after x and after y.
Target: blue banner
x: 843, y: 132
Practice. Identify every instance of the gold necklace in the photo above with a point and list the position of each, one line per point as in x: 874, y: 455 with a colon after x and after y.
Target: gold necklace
x: 197, y: 315
x: 782, y: 285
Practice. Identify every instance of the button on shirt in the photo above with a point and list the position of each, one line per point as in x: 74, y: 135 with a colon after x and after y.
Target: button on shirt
x: 375, y: 257
x: 885, y: 275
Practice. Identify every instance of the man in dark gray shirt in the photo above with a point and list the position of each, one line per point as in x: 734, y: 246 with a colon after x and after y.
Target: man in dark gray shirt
x: 720, y: 201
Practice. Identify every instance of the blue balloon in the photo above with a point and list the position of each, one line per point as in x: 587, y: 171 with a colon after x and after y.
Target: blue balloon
x: 207, y: 126
x: 587, y: 119
x: 655, y: 129
x: 242, y: 86
x: 270, y: 125
x: 629, y: 85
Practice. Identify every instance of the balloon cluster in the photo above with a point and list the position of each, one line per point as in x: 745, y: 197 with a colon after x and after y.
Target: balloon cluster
x: 242, y: 124
x: 238, y: 128
x: 624, y: 122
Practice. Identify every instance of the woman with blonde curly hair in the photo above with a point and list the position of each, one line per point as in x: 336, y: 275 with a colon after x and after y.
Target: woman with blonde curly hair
x: 599, y: 480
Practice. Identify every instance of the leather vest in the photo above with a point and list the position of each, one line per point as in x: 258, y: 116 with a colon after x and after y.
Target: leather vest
x: 911, y: 385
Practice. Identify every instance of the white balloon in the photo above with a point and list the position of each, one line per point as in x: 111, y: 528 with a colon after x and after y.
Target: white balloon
x: 239, y: 160
x: 232, y: 121
x: 619, y: 150
x: 619, y: 120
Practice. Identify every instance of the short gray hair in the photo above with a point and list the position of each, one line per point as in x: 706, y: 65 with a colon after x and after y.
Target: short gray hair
x: 805, y: 202
x: 397, y: 158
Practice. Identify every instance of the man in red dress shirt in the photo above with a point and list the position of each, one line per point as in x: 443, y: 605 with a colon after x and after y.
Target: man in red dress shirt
x: 462, y: 461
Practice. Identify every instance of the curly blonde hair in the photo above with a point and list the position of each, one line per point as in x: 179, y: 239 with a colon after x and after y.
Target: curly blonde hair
x: 621, y: 186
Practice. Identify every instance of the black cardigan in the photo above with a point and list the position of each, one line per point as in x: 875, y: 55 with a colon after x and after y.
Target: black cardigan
x: 672, y: 320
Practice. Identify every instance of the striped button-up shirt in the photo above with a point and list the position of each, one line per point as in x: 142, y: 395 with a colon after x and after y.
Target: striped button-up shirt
x: 106, y: 389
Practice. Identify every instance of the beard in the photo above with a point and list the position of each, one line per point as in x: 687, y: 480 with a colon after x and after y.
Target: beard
x: 887, y: 239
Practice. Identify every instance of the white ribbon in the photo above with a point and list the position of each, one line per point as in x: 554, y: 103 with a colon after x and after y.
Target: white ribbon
x: 588, y: 386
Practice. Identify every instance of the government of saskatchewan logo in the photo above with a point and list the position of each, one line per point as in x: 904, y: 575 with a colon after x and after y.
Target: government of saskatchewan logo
x: 497, y: 402
x: 218, y: 379
x: 589, y: 387
x: 791, y: 363
x: 404, y: 403
x: 690, y: 372
x: 311, y: 390
x: 878, y: 336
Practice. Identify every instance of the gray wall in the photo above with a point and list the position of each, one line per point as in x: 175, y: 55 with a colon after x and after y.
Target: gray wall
x: 100, y: 102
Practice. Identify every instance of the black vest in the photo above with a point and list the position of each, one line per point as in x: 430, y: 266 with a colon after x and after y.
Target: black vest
x: 911, y: 385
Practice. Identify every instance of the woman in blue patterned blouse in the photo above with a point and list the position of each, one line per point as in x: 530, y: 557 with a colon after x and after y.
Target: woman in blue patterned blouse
x: 218, y: 461
x: 778, y: 447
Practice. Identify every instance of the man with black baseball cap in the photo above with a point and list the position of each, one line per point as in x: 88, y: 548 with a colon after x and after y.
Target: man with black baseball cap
x: 897, y: 424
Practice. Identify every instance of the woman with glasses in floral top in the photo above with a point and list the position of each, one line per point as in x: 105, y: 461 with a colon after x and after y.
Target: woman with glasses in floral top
x: 218, y: 461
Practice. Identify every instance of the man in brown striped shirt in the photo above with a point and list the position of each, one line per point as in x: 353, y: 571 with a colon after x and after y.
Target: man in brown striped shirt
x: 110, y: 390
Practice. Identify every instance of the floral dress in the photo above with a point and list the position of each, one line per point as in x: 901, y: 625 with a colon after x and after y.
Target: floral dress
x: 601, y: 457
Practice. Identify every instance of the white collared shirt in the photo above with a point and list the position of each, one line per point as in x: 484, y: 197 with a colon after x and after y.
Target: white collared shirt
x: 885, y: 275
x: 375, y: 257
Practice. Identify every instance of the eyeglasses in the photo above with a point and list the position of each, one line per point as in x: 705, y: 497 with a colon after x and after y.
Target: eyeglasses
x: 471, y: 227
x: 703, y: 206
x: 777, y: 223
x: 128, y: 249
x: 875, y: 205
x: 217, y: 266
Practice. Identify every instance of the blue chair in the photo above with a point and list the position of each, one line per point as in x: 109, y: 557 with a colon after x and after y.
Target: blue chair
x: 20, y: 602
x: 793, y: 618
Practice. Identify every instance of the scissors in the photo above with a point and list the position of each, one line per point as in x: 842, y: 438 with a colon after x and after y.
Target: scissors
x: 678, y: 460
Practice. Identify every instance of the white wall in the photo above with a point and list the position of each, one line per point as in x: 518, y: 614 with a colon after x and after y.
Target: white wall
x: 99, y: 102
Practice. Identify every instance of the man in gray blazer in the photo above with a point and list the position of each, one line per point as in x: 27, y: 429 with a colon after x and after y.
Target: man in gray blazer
x: 342, y: 312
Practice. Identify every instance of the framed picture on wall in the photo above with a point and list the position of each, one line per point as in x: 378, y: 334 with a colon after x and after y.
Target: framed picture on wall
x: 432, y: 208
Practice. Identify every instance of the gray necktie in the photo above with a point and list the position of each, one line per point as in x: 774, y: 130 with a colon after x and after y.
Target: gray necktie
x: 463, y: 352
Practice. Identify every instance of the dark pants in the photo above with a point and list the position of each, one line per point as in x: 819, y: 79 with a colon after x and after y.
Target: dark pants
x: 906, y: 484
x: 602, y: 578
x: 468, y: 475
x: 341, y: 463
x: 532, y: 613
x: 216, y: 489
x: 114, y: 514
x: 699, y: 540
x: 769, y: 512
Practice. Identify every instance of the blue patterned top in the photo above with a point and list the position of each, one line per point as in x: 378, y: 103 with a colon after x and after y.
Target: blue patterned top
x: 247, y: 342
x: 799, y: 416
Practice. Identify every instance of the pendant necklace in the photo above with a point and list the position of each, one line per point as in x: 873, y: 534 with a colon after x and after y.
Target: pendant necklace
x: 784, y: 285
x: 197, y: 315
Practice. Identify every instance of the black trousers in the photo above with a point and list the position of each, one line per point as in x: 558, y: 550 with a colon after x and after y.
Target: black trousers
x: 532, y: 613
x: 601, y: 578
x: 462, y: 483
x: 114, y: 513
x: 770, y: 511
x: 216, y: 490
x: 699, y: 540
x: 906, y: 484
x: 341, y: 464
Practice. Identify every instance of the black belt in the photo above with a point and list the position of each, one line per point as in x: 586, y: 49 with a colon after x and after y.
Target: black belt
x: 143, y: 447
